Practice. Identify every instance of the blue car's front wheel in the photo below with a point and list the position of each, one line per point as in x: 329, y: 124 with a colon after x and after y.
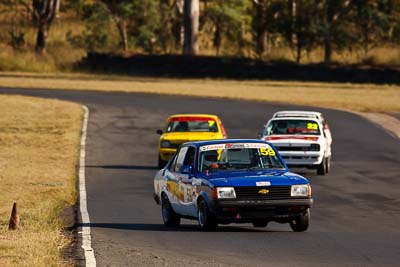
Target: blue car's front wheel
x: 170, y: 218
x: 301, y: 223
x: 206, y: 219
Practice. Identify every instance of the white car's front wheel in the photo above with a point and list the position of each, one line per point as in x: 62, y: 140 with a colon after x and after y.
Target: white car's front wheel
x: 323, y: 167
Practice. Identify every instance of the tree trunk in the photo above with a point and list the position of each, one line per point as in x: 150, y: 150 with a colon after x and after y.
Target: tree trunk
x: 57, y: 9
x: 41, y: 38
x: 191, y: 27
x: 261, y: 24
x: 121, y: 24
x: 298, y: 50
x: 178, y: 28
x: 328, y: 36
x: 44, y: 13
x: 297, y: 11
x: 217, y: 37
x: 291, y: 32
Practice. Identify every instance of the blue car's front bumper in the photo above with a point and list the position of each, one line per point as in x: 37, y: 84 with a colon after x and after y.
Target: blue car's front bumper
x: 281, y: 210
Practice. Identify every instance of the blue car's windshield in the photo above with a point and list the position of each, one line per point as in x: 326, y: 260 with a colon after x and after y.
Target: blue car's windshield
x: 238, y: 157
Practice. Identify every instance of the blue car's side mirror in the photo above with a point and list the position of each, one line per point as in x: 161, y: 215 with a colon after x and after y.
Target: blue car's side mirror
x: 186, y: 169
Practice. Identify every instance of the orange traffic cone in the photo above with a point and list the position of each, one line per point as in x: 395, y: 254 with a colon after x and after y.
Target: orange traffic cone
x: 14, y: 220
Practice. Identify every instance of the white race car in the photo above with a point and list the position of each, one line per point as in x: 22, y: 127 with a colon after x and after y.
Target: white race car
x: 303, y: 138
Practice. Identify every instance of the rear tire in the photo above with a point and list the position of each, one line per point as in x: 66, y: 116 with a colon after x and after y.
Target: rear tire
x: 260, y: 223
x: 321, y: 170
x: 328, y: 164
x: 170, y: 218
x: 300, y: 223
x: 206, y: 219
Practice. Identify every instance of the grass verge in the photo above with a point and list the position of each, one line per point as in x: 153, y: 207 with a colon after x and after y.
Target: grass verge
x: 356, y: 97
x: 38, y: 155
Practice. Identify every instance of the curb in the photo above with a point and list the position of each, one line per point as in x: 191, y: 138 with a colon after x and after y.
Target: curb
x: 85, y: 232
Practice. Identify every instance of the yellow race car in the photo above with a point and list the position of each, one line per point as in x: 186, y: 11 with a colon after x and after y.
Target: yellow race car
x: 182, y: 128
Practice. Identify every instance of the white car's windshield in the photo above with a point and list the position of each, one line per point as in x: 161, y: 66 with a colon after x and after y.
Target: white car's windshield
x: 238, y: 157
x: 289, y: 127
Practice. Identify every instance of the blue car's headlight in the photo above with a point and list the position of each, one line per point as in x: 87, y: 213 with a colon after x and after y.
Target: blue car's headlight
x: 300, y: 190
x: 165, y: 144
x: 224, y: 192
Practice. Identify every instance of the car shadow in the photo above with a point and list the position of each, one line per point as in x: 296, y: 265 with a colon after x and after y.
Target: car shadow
x: 182, y: 228
x: 124, y: 167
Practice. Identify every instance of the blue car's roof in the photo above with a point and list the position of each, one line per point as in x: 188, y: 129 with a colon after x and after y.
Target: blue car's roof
x: 224, y: 141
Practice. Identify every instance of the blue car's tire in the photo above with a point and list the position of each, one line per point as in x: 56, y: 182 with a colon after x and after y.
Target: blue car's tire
x: 170, y: 218
x: 260, y: 223
x: 206, y: 219
x: 300, y: 223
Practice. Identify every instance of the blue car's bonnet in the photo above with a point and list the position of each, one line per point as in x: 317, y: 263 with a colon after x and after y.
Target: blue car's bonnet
x: 251, y: 178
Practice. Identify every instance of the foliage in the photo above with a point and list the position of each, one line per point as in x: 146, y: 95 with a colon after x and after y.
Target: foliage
x: 235, y: 27
x: 96, y: 35
x: 229, y: 21
x: 145, y: 23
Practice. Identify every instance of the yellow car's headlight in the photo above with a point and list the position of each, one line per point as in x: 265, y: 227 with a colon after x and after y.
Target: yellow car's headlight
x: 165, y: 144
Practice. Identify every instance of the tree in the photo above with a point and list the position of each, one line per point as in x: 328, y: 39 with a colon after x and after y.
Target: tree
x: 96, y: 35
x: 227, y: 19
x: 260, y: 25
x: 335, y: 19
x: 307, y: 26
x: 145, y: 23
x: 44, y: 12
x: 121, y: 11
x: 165, y: 32
x: 370, y: 22
x: 393, y: 12
x: 191, y: 10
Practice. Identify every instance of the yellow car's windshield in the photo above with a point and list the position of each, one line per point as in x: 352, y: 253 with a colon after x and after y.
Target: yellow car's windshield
x: 192, y: 124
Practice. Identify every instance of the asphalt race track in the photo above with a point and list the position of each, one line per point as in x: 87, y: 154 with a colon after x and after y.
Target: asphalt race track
x: 355, y: 219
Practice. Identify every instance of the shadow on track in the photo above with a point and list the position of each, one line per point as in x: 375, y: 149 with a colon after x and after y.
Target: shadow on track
x: 162, y: 228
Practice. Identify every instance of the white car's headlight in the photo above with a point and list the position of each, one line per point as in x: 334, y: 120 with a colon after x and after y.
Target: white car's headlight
x: 225, y: 192
x: 165, y: 143
x: 300, y: 190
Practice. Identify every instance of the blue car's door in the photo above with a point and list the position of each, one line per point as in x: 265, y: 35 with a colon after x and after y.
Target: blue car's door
x: 189, y: 191
x: 174, y: 181
x: 179, y: 184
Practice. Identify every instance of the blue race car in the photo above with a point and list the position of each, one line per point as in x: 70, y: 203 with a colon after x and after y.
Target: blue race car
x: 232, y: 181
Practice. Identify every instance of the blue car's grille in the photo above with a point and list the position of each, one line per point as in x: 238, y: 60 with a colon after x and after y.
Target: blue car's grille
x: 262, y: 192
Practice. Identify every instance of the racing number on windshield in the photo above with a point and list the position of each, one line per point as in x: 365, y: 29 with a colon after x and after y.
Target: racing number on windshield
x: 312, y: 126
x: 267, y: 152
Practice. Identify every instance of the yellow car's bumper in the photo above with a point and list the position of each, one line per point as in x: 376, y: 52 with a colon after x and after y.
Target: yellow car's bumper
x: 166, y: 153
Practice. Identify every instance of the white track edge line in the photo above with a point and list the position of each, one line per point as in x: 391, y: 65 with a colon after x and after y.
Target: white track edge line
x: 86, y: 237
